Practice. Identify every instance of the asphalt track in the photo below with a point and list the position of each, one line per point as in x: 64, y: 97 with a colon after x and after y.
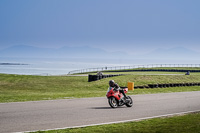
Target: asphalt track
x: 43, y: 115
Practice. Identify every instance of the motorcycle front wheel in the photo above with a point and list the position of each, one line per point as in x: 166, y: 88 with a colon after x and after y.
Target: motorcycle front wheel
x: 112, y: 102
x: 130, y: 101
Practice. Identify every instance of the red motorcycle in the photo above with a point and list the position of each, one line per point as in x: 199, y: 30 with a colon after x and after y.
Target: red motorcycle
x: 116, y: 98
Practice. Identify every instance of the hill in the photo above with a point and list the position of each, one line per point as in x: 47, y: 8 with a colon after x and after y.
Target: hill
x: 63, y: 52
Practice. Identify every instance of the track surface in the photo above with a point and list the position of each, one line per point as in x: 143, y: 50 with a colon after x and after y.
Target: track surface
x: 42, y: 115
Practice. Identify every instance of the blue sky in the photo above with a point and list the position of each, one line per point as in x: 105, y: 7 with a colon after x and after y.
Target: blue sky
x: 134, y: 26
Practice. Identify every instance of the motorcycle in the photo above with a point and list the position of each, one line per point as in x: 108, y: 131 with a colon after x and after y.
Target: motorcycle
x: 116, y: 98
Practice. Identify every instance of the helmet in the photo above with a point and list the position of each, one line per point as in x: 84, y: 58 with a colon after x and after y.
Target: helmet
x: 111, y: 82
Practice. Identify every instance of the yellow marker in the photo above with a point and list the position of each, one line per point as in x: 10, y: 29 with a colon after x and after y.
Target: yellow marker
x: 130, y: 85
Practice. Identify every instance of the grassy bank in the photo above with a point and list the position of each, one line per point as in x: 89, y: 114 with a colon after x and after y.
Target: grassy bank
x: 189, y: 123
x: 138, y: 72
x: 14, y: 88
x: 166, y: 68
x: 153, y: 72
x: 142, y: 73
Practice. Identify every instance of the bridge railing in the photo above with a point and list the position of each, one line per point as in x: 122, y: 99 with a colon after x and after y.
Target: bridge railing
x: 131, y: 67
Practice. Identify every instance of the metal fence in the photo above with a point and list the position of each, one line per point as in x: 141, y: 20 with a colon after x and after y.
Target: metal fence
x: 131, y: 67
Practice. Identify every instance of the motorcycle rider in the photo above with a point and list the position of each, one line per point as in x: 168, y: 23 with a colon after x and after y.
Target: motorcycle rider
x: 116, y: 87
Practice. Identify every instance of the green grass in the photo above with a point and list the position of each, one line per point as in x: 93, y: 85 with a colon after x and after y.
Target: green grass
x: 189, y: 123
x: 152, y: 79
x: 15, y: 88
x: 169, y: 68
x: 176, y: 68
x: 140, y: 73
x: 151, y: 72
x: 146, y: 72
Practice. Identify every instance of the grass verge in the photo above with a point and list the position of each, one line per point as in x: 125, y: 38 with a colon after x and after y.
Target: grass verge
x: 189, y: 123
x: 15, y: 88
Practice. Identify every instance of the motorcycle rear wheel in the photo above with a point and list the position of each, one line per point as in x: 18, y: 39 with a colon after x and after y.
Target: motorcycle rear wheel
x: 130, y: 102
x: 112, y: 102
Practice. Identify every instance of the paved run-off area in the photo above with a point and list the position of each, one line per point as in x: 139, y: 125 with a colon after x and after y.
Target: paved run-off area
x: 42, y: 115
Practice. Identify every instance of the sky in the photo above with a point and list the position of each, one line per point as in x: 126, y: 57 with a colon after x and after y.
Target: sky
x: 133, y: 26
